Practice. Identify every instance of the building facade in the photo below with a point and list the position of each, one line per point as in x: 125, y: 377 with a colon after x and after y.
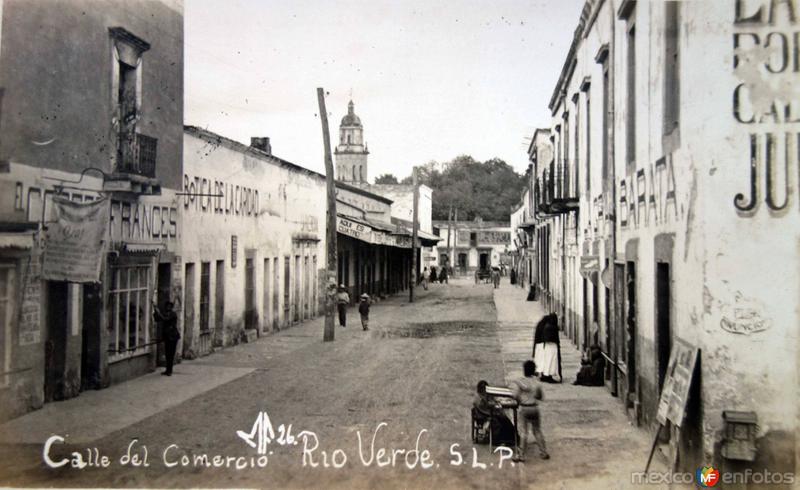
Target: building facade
x: 476, y: 245
x: 91, y: 112
x: 667, y: 214
x: 521, y: 246
x: 374, y: 254
x: 254, y: 246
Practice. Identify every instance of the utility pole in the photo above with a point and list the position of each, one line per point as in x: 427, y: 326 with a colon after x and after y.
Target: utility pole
x: 449, y: 231
x: 330, y: 228
x: 414, y: 227
x: 452, y: 252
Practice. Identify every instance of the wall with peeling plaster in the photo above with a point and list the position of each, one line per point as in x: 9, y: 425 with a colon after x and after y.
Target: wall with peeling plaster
x: 719, y: 200
x: 289, y: 220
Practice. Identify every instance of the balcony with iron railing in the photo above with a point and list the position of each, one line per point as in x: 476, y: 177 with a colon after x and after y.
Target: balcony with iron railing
x: 556, y: 193
x: 137, y: 154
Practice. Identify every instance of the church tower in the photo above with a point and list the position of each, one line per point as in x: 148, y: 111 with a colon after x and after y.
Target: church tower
x: 351, y: 152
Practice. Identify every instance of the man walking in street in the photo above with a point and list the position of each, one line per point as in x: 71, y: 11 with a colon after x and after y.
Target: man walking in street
x: 363, y: 310
x: 496, y: 277
x: 425, y: 276
x: 168, y: 321
x: 342, y: 300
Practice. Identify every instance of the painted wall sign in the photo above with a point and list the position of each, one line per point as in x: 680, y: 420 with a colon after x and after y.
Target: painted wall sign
x: 206, y: 195
x: 142, y: 221
x: 766, y: 62
x: 744, y: 317
x: 648, y: 196
x: 494, y: 237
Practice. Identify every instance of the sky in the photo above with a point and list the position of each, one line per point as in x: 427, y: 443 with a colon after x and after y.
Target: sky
x: 430, y: 80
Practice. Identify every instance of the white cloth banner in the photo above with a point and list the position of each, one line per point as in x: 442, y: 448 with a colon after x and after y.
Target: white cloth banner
x: 74, y: 242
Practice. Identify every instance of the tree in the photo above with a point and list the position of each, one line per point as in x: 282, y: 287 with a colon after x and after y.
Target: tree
x: 386, y: 179
x: 487, y: 189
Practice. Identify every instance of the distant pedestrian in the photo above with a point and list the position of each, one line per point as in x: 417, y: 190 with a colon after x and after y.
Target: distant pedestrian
x: 342, y: 300
x: 443, y: 276
x: 477, y: 276
x: 434, y: 278
x: 528, y: 393
x: 363, y: 309
x: 168, y: 321
x: 426, y: 275
x: 496, y: 277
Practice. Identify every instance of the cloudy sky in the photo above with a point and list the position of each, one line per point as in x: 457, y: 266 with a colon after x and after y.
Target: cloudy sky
x: 430, y: 79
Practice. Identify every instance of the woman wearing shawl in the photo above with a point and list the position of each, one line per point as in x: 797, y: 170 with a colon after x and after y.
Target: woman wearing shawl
x: 547, y: 349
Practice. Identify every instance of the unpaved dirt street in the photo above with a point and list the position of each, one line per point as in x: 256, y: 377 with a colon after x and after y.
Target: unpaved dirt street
x: 410, y: 378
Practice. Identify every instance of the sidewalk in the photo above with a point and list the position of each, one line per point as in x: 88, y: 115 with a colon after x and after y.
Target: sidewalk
x: 585, y: 427
x: 95, y: 414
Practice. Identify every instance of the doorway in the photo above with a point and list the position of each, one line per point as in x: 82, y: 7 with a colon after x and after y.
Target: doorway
x: 55, y: 345
x: 188, y: 310
x: 90, y: 338
x: 663, y: 329
x: 630, y: 324
x: 484, y: 261
x: 163, y: 288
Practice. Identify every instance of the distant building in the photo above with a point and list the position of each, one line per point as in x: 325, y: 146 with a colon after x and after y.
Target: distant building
x: 351, y: 152
x: 476, y: 244
x: 254, y: 242
x: 352, y: 170
x: 92, y: 108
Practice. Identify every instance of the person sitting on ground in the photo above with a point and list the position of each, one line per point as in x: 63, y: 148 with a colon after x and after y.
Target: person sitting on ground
x: 494, y: 417
x: 593, y: 369
x: 528, y: 393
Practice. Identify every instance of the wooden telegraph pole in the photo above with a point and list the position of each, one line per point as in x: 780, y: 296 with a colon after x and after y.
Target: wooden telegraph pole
x: 330, y: 228
x: 452, y: 251
x: 414, y: 227
x: 449, y: 232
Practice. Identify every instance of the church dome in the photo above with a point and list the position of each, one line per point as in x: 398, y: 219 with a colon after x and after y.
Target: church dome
x: 350, y: 119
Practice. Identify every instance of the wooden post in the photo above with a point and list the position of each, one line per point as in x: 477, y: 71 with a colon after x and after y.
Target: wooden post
x: 449, y: 263
x: 414, y: 227
x: 330, y: 228
x: 452, y: 251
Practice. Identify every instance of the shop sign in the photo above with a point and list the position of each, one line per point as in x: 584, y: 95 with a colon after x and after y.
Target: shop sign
x: 353, y: 229
x: 74, y: 242
x: 589, y: 264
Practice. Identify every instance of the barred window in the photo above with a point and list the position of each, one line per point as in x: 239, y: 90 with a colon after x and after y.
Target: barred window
x: 128, y: 311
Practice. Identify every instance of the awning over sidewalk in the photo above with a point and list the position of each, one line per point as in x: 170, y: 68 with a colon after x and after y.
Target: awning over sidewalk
x: 16, y: 240
x: 371, y: 232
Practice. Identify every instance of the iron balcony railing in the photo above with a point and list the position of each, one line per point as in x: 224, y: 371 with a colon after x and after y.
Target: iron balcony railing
x: 137, y: 154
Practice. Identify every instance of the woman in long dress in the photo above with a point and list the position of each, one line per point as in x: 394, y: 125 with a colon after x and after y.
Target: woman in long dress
x: 547, y: 349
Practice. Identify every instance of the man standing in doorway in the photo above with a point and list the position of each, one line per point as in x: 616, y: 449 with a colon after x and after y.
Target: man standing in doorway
x: 168, y: 321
